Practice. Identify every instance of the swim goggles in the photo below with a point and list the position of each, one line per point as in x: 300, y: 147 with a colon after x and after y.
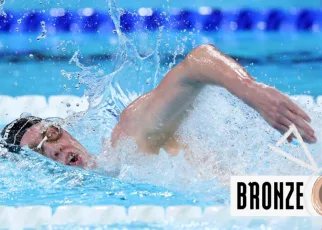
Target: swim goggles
x: 51, y: 133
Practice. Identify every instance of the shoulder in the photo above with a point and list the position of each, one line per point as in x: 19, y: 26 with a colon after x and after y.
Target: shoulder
x: 133, y: 119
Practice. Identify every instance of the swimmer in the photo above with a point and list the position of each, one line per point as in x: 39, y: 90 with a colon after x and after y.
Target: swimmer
x: 152, y: 119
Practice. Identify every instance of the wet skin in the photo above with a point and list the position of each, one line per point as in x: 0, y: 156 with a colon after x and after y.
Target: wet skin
x: 168, y: 103
x: 66, y: 150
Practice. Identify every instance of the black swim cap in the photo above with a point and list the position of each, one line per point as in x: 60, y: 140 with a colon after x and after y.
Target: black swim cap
x: 12, y: 134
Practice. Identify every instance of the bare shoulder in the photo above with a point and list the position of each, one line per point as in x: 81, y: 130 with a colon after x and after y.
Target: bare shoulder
x: 133, y: 119
x: 153, y: 118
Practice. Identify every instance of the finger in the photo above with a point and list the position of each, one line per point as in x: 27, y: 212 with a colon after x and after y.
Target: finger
x: 297, y: 110
x: 304, y: 129
x: 307, y: 135
x: 284, y: 120
x: 281, y: 128
x: 298, y: 122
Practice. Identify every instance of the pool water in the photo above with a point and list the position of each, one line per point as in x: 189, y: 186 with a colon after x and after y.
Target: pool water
x: 291, y: 62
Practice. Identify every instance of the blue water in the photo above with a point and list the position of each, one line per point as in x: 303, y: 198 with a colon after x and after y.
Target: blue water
x: 290, y: 62
x: 226, y: 4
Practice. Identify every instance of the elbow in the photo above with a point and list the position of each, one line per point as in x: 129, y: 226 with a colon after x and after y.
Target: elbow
x: 199, y: 55
x: 197, y: 59
x: 202, y: 50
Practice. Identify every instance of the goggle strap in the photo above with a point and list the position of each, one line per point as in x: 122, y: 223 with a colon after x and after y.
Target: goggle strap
x: 42, y: 142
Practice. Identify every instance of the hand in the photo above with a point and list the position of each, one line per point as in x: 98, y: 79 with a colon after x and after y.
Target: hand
x: 280, y: 112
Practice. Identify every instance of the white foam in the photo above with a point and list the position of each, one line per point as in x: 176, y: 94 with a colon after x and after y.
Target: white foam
x: 319, y: 100
x: 304, y: 100
x: 36, y: 105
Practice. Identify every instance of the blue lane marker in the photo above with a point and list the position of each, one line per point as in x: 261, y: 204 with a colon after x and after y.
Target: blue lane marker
x: 63, y: 22
x: 205, y: 19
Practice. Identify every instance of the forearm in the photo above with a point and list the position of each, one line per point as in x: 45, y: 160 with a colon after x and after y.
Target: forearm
x: 209, y: 66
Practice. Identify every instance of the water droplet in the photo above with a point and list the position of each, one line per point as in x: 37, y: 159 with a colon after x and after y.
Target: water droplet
x: 2, y: 2
x: 30, y: 40
x: 77, y: 104
x: 43, y: 32
x: 68, y: 104
x: 19, y: 21
x: 24, y: 115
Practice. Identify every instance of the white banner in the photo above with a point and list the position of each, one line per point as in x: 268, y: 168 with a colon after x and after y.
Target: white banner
x: 276, y: 196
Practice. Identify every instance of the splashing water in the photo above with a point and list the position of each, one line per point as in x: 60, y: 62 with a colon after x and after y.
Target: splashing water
x: 43, y: 31
x: 109, y: 94
x: 2, y: 12
x: 221, y: 131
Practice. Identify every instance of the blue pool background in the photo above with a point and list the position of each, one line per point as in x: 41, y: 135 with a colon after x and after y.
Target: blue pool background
x: 288, y: 61
x: 291, y: 61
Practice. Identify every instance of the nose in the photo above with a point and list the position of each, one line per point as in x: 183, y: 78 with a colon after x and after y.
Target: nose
x: 69, y: 152
x: 54, y: 151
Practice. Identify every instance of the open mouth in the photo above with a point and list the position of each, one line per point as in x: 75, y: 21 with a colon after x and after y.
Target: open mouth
x: 73, y: 159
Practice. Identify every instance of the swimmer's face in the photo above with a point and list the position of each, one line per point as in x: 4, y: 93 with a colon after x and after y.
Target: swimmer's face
x: 65, y: 150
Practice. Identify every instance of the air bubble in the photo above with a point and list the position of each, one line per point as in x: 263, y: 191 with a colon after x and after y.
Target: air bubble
x: 31, y: 55
x: 19, y: 21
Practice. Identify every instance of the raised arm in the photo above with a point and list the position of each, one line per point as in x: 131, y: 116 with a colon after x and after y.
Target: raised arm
x: 210, y: 66
x: 154, y: 117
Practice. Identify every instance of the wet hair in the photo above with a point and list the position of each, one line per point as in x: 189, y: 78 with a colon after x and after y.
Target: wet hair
x: 12, y: 134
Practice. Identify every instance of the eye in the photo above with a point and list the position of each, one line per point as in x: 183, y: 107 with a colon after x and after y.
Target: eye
x: 56, y: 154
x: 53, y: 133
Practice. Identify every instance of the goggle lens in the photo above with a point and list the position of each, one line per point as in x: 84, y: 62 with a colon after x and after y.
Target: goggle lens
x: 53, y: 133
